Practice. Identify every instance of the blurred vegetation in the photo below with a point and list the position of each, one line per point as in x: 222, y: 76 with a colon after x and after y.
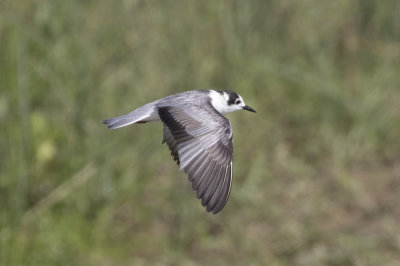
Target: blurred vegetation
x: 316, y: 170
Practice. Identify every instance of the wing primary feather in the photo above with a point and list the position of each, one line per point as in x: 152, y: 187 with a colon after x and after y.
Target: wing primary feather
x: 207, y: 190
x: 215, y: 196
x: 196, y: 166
x: 210, y: 188
x: 188, y: 157
x: 226, y: 189
x: 210, y: 179
x: 203, y: 175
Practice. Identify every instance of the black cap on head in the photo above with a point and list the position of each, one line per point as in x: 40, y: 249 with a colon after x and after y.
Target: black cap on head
x: 233, y: 96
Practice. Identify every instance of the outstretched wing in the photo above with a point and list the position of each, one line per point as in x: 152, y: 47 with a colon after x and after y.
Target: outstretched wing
x: 200, y: 140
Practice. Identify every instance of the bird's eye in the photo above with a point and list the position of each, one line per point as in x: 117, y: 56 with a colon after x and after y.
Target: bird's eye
x: 237, y: 102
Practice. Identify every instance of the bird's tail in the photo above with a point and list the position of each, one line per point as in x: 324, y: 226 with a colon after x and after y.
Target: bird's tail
x: 143, y: 114
x: 120, y: 121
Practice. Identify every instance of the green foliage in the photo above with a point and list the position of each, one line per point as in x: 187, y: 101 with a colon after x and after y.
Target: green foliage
x: 316, y: 171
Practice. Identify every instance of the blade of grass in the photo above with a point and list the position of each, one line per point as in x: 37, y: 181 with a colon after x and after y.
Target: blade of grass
x: 58, y: 194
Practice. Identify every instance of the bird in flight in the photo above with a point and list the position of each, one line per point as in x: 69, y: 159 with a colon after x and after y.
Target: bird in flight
x: 199, y: 136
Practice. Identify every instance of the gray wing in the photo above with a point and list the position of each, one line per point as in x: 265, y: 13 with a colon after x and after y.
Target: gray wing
x: 172, y: 143
x: 200, y: 140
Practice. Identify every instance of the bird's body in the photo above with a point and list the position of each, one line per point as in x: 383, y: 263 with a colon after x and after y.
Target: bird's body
x: 198, y: 135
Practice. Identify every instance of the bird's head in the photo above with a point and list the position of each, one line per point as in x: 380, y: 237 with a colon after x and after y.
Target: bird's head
x: 226, y: 101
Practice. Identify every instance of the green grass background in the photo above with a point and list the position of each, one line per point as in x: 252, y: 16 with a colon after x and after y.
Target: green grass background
x: 316, y: 170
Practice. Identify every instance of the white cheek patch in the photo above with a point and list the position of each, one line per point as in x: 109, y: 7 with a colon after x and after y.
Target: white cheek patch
x: 226, y: 98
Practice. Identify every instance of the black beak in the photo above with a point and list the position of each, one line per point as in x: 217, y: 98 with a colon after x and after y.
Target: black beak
x: 248, y: 108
